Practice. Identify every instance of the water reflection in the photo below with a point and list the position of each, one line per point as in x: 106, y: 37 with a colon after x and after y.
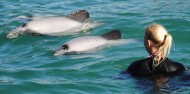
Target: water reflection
x: 160, y: 81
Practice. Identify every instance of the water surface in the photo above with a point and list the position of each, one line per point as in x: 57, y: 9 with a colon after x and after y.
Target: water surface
x: 27, y: 65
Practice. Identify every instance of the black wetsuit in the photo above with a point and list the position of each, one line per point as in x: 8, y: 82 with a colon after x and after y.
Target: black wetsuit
x: 146, y: 67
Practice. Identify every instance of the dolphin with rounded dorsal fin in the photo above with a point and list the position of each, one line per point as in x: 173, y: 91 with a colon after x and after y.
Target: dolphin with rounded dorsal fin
x: 53, y: 25
x: 86, y: 43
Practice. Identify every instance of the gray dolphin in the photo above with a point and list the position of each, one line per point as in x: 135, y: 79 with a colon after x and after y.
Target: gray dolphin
x: 86, y: 43
x: 53, y: 25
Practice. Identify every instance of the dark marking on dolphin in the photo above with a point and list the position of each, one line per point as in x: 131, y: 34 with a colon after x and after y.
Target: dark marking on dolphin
x: 24, y: 25
x: 80, y: 15
x: 114, y: 34
x: 65, y: 47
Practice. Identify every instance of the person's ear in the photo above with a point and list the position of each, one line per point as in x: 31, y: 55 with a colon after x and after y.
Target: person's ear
x: 150, y: 43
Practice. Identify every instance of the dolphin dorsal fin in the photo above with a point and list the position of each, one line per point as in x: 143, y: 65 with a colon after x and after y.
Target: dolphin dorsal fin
x: 114, y: 34
x: 80, y: 15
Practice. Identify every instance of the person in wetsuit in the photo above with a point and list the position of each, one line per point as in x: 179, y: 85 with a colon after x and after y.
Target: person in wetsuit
x: 157, y: 42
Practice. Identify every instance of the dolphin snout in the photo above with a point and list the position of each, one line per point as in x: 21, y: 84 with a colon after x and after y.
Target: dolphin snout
x: 58, y: 52
x: 55, y: 53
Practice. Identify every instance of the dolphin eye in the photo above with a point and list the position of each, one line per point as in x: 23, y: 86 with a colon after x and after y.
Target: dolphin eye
x: 23, y: 25
x: 64, y: 47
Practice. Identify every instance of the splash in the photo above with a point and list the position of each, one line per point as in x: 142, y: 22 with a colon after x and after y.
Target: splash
x: 15, y: 33
x: 121, y: 42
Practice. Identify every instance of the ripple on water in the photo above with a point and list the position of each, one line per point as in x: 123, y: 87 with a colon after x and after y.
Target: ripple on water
x: 27, y: 64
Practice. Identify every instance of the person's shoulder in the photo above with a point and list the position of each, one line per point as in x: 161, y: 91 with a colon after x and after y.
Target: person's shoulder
x: 137, y: 63
x: 139, y: 67
x: 177, y: 65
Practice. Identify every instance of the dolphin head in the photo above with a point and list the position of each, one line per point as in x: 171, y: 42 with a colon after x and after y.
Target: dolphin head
x: 64, y: 49
x: 80, y: 15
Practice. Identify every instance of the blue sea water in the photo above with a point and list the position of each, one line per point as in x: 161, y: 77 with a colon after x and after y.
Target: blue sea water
x: 27, y: 65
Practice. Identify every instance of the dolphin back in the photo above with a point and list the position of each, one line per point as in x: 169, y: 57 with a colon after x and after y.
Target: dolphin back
x: 80, y: 15
x: 114, y: 34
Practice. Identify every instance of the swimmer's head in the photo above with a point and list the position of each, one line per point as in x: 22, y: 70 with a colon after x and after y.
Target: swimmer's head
x: 157, y: 40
